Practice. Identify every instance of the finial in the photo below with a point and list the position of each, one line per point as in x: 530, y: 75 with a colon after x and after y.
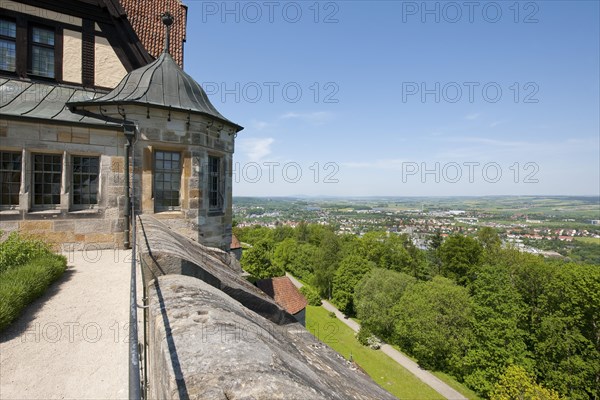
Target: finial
x: 167, y: 19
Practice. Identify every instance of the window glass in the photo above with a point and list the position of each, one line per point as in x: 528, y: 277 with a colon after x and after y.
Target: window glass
x: 215, y: 195
x: 47, y: 173
x: 42, y: 52
x: 86, y: 171
x: 8, y: 48
x: 10, y: 178
x: 167, y: 180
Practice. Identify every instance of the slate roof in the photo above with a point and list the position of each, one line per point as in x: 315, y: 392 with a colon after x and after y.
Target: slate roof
x: 283, y: 291
x: 43, y: 101
x: 161, y: 83
x: 145, y: 17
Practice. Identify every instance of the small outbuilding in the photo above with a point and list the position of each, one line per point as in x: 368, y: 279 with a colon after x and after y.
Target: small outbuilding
x: 282, y: 290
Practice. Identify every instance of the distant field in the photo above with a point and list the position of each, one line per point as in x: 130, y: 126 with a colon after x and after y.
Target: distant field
x: 588, y: 240
x: 385, y: 371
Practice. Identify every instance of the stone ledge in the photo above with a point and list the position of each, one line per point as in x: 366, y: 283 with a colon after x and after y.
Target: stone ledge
x: 205, y: 345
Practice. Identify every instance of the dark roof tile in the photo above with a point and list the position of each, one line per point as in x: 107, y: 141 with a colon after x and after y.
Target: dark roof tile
x: 145, y: 17
x: 283, y: 291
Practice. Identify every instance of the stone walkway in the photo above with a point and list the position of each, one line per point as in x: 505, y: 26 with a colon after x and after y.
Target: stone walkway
x: 72, y: 342
x: 427, y: 377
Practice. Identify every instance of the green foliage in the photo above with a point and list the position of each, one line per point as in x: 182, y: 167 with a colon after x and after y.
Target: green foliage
x: 375, y: 297
x: 295, y: 257
x: 500, y: 307
x: 352, y: 268
x: 326, y: 259
x: 460, y: 256
x: 433, y: 323
x: 384, y: 370
x: 517, y: 384
x: 498, y: 337
x: 254, y: 234
x: 489, y: 239
x: 17, y: 250
x: 567, y: 344
x: 257, y: 261
x: 363, y: 336
x: 20, y: 285
x: 311, y: 295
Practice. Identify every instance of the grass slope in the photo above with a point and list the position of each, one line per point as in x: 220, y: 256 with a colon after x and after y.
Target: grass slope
x: 385, y: 371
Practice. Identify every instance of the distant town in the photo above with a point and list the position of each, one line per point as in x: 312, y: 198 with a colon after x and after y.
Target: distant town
x: 561, y: 226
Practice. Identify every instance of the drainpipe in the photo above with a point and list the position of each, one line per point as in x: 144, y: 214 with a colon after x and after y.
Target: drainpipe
x: 129, y: 132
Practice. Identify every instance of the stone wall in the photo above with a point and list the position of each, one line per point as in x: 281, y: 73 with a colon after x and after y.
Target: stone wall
x: 101, y: 225
x: 194, y: 137
x: 210, y: 337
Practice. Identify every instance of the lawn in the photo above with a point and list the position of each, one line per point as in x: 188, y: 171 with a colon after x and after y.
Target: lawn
x: 385, y: 371
x: 588, y: 240
x: 27, y: 268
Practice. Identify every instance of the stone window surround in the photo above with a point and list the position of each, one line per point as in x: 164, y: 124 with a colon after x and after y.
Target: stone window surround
x: 155, y: 151
x: 26, y: 189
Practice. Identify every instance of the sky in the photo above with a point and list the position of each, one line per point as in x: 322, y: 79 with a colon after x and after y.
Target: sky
x: 403, y: 98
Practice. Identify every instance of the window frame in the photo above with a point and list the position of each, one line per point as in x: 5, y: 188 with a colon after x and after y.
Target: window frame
x: 174, y: 172
x: 10, y: 205
x: 216, y: 187
x: 14, y: 41
x: 73, y: 174
x: 46, y: 206
x: 31, y: 44
x: 24, y: 23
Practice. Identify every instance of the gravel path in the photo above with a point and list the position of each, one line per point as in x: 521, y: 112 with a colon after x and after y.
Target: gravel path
x: 427, y: 377
x: 72, y: 342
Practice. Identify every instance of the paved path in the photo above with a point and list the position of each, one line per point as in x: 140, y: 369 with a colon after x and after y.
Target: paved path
x: 427, y: 377
x: 72, y: 342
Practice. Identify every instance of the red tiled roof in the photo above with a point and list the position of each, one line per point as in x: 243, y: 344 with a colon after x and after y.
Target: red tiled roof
x: 283, y: 291
x: 235, y: 243
x: 145, y: 17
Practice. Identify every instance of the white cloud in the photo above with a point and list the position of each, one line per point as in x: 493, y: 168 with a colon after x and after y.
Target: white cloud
x: 317, y: 117
x: 256, y: 148
x: 260, y: 125
x: 388, y: 163
x: 472, y: 117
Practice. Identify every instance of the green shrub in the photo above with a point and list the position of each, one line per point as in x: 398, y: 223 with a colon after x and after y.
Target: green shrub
x: 311, y: 295
x: 331, y: 314
x: 17, y: 250
x: 363, y: 336
x: 20, y: 285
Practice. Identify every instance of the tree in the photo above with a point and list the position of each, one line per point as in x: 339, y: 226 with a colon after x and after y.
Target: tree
x: 460, y: 257
x: 375, y: 296
x: 499, y: 339
x: 489, y: 239
x: 326, y: 261
x: 566, y: 333
x: 352, y: 268
x: 433, y: 252
x: 257, y: 261
x: 296, y: 258
x: 433, y: 323
x: 517, y: 384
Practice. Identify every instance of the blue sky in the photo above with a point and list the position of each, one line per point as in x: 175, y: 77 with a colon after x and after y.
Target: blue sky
x: 404, y: 98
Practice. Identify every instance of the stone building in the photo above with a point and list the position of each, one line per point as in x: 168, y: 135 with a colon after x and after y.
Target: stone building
x: 78, y: 88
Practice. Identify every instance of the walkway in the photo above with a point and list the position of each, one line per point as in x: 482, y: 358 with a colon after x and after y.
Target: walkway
x: 427, y: 377
x: 72, y: 342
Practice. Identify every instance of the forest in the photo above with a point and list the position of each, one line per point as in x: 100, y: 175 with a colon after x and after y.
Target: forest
x: 497, y: 319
